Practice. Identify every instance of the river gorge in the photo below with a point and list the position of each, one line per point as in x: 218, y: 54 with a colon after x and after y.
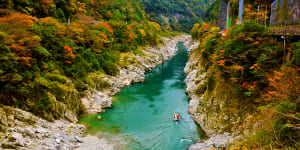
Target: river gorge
x: 142, y: 113
x: 141, y: 116
x: 110, y: 74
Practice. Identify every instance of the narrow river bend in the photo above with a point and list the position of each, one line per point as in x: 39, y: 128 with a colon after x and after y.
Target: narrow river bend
x: 141, y: 117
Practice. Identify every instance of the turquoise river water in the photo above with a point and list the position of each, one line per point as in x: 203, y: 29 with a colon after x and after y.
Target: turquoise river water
x: 141, y: 117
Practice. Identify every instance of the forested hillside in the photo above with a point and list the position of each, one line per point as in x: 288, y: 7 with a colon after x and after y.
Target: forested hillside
x: 49, y: 47
x: 176, y: 15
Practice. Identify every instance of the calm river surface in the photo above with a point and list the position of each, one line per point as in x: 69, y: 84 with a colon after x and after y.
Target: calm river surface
x: 141, y: 117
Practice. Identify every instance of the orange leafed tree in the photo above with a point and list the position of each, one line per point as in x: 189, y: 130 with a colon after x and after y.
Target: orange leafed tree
x: 283, y: 85
x: 107, y: 27
x: 16, y: 21
x: 22, y: 41
x: 49, y: 21
x: 143, y: 33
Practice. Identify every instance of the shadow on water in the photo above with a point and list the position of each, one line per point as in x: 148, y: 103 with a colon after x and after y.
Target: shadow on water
x: 142, y: 113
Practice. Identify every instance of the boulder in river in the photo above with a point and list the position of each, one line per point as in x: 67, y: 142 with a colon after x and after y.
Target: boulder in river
x: 99, y: 118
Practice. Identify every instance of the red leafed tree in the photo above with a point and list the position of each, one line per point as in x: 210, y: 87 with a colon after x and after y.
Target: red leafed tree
x: 69, y: 54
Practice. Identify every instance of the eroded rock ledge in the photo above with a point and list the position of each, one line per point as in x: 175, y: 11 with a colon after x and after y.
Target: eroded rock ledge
x: 23, y: 130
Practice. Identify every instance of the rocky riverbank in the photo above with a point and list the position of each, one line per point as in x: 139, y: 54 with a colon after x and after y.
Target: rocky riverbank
x: 22, y: 130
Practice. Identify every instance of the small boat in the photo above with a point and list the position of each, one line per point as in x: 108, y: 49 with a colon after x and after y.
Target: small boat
x: 186, y: 140
x: 176, y: 116
x: 176, y: 119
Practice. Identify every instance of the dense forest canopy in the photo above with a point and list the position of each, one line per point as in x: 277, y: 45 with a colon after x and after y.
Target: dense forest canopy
x: 45, y: 59
x: 63, y: 9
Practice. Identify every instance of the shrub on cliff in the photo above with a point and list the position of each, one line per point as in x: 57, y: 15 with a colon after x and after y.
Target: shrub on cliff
x: 295, y: 60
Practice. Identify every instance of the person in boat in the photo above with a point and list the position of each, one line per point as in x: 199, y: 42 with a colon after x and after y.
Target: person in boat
x: 176, y: 115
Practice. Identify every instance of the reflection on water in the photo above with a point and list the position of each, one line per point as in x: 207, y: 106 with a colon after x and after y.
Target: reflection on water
x: 142, y: 114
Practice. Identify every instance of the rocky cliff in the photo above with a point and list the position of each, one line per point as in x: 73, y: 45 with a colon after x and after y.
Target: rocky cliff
x: 213, y: 106
x: 22, y: 130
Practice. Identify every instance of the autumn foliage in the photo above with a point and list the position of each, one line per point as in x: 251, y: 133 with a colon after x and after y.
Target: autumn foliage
x: 283, y: 85
x: 48, y: 50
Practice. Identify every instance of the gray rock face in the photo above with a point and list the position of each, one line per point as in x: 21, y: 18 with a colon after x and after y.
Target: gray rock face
x: 222, y: 15
x: 294, y: 10
x: 281, y: 14
x: 26, y: 131
x: 217, y: 141
x: 273, y: 13
x: 191, y: 44
x: 71, y: 116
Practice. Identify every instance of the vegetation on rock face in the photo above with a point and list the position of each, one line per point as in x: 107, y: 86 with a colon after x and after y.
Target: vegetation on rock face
x: 45, y: 61
x: 249, y: 59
